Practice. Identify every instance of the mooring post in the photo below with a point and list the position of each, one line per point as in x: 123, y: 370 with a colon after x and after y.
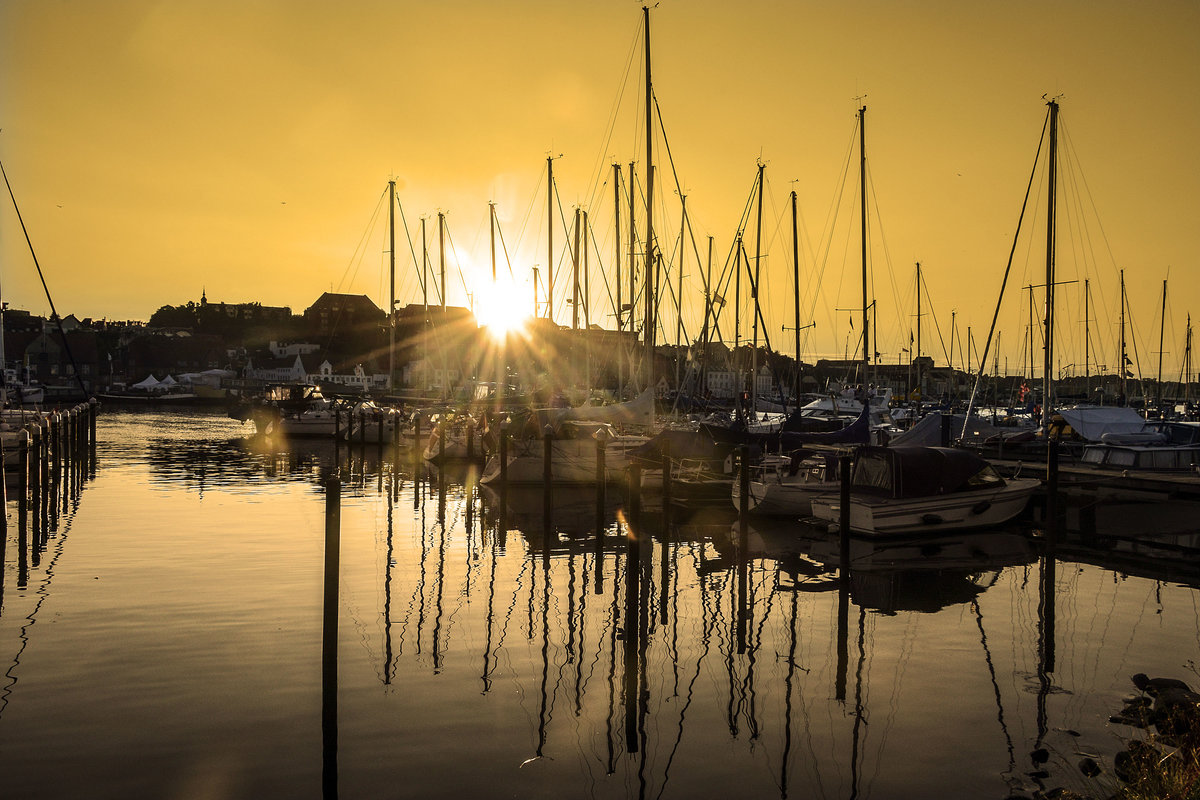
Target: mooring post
x: 416, y: 441
x: 22, y: 513
x: 380, y: 434
x: 35, y: 472
x: 362, y: 427
x: 1052, y: 488
x: 635, y: 491
x: 601, y: 479
x: 95, y: 407
x: 947, y: 421
x: 329, y: 635
x: 56, y: 444
x: 23, y: 448
x: 666, y: 483
x: 844, y: 464
x: 743, y: 494
x: 470, y: 438
x: 743, y: 546
x: 843, y: 618
x: 547, y: 478
x: 503, y: 456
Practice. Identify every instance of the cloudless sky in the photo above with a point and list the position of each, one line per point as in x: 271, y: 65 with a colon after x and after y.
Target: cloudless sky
x: 158, y: 149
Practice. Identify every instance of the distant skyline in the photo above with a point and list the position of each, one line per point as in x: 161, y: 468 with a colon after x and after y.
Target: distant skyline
x: 161, y: 149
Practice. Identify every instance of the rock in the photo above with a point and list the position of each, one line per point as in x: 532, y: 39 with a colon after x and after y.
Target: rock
x: 1040, y: 756
x: 1176, y: 711
x: 1089, y: 767
x: 1152, y: 686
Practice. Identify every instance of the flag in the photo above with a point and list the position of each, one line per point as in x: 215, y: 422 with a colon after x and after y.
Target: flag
x: 718, y: 300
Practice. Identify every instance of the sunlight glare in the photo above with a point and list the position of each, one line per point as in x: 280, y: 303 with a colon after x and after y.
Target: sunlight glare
x: 502, y: 308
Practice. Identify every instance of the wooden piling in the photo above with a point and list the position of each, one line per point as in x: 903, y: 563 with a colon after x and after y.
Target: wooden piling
x: 547, y: 477
x: 844, y: 464
x: 1052, y: 488
x: 601, y: 475
x: 666, y: 484
x: 329, y: 635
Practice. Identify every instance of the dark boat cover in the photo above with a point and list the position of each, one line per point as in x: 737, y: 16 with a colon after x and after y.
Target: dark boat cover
x: 909, y: 471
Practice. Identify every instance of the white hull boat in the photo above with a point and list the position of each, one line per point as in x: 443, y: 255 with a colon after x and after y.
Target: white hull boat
x: 907, y: 490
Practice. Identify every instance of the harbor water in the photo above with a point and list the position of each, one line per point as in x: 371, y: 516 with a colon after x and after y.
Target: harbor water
x: 163, y: 637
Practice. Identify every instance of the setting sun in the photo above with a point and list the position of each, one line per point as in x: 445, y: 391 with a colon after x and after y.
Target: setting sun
x: 502, y: 307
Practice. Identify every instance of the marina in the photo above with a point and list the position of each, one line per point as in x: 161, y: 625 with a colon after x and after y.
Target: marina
x: 496, y: 643
x: 656, y: 480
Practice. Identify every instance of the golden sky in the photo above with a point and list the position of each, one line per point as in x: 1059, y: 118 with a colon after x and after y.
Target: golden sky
x: 158, y: 149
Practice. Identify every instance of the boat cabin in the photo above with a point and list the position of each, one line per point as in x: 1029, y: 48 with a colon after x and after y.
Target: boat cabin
x: 913, y: 471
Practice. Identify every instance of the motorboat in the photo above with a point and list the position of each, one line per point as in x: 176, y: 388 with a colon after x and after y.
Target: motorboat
x: 786, y: 485
x: 914, y: 489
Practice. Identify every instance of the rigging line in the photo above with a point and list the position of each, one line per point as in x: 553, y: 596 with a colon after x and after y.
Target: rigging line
x: 360, y: 248
x: 876, y: 221
x: 411, y: 247
x: 610, y: 128
x: 1070, y: 147
x: 937, y: 326
x: 1004, y: 282
x: 727, y: 272
x: 533, y: 200
x: 462, y: 278
x: 831, y: 218
x: 589, y: 231
x: 504, y: 249
x: 46, y: 289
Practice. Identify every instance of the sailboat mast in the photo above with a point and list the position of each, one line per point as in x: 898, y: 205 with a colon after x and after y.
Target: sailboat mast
x: 707, y: 310
x: 442, y: 256
x: 796, y: 292
x: 737, y: 303
x: 492, y: 236
x: 617, y: 242
x: 632, y: 240
x: 862, y: 190
x: 1161, y: 328
x: 679, y: 284
x: 1087, y: 363
x: 754, y: 294
x: 1187, y: 364
x: 550, y: 237
x: 1051, y: 179
x: 587, y: 287
x: 575, y: 277
x: 1124, y: 358
x: 920, y: 385
x: 650, y: 323
x: 391, y: 285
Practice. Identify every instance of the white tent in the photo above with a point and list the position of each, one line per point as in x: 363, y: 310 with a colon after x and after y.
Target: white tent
x: 150, y: 382
x: 168, y: 381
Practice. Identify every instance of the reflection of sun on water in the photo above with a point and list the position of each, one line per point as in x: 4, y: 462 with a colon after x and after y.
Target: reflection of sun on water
x: 501, y: 307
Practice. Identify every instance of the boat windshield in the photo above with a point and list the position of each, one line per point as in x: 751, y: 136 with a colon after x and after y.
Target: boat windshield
x: 873, y: 473
x: 985, y: 478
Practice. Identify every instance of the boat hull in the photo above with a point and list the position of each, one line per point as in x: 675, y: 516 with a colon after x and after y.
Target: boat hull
x: 884, y: 516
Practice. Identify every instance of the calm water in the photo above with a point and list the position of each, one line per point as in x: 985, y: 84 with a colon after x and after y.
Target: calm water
x: 167, y: 642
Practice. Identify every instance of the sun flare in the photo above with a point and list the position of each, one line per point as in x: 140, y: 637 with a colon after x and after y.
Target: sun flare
x: 502, y: 308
